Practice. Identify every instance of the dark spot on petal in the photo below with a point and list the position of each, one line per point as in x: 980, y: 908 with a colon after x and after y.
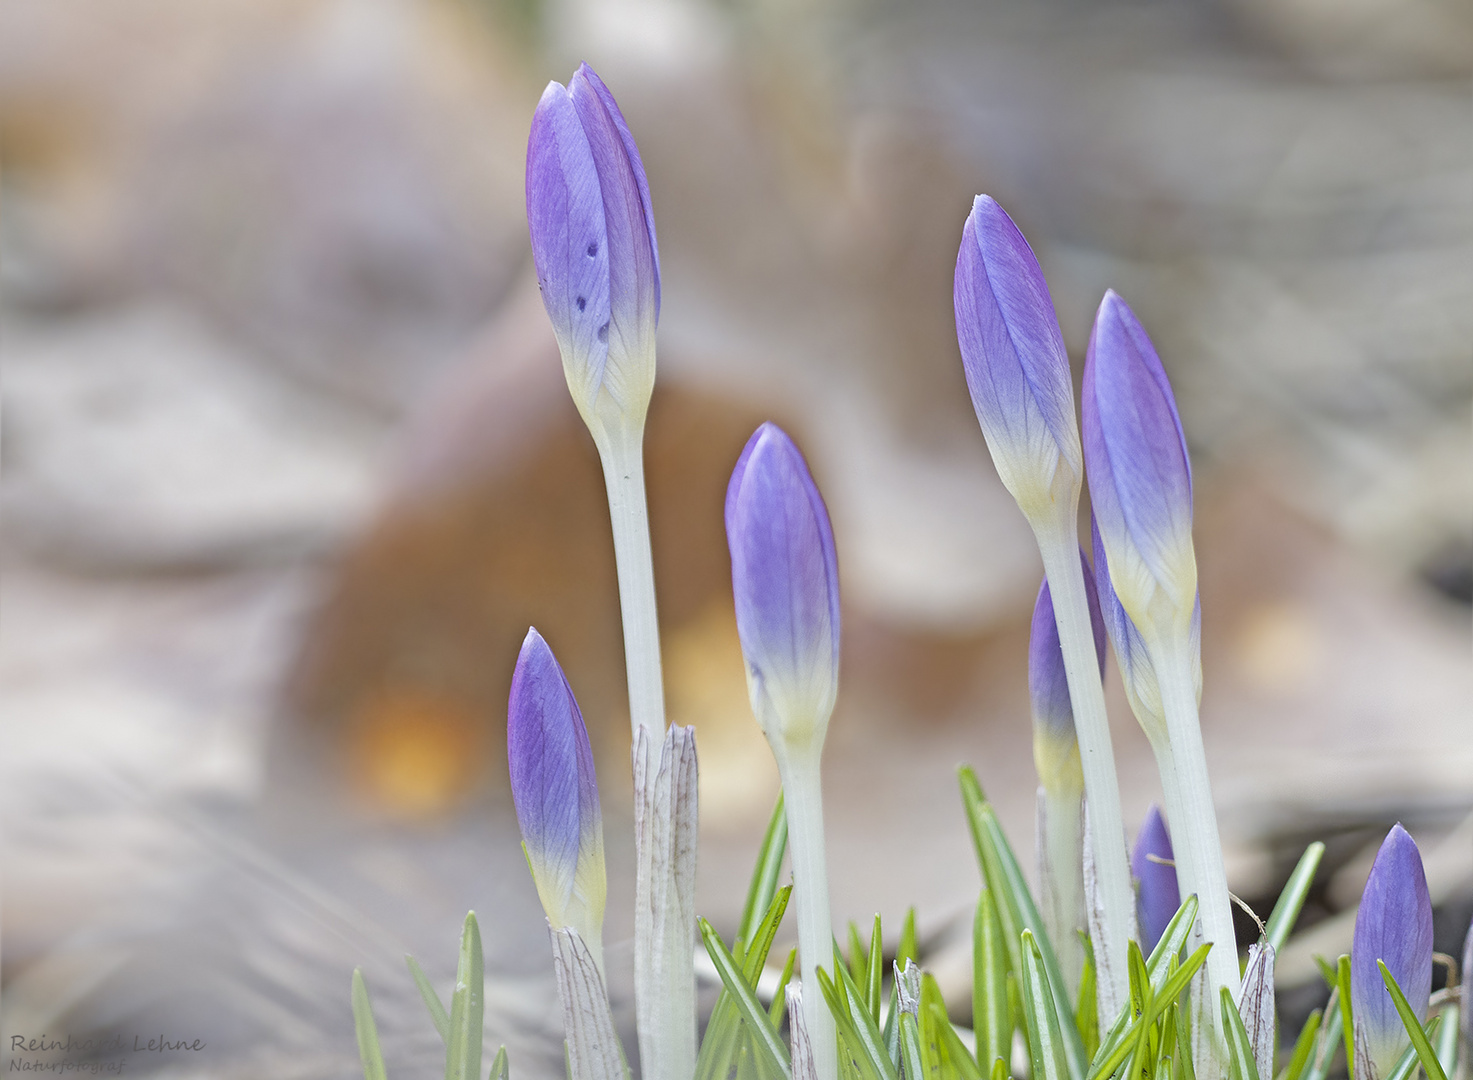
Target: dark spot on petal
x: 603, y: 332
x: 582, y: 302
x: 593, y: 249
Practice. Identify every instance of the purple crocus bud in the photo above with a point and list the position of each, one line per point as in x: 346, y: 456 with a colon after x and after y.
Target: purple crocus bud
x: 785, y: 580
x: 1016, y: 366
x: 556, y: 793
x: 1055, y: 746
x: 593, y: 242
x: 1157, y: 896
x: 1393, y: 924
x: 1140, y: 478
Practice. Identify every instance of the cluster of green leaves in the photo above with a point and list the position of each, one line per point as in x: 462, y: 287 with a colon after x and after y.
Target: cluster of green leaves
x: 461, y: 1028
x: 893, y: 1023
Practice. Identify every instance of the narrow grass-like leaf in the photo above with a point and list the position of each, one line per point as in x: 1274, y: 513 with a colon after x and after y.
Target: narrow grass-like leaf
x: 463, y: 1041
x: 872, y: 1043
x: 1182, y: 1068
x: 861, y: 1064
x: 990, y: 1017
x: 1140, y: 981
x: 1040, y: 1019
x: 1329, y: 1039
x: 1086, y: 1010
x: 722, y: 1044
x: 765, y: 1038
x: 367, y: 1030
x: 956, y: 1050
x: 874, y: 971
x: 765, y: 873
x: 932, y: 1018
x: 1409, y: 1020
x: 500, y: 1066
x: 1015, y: 904
x: 1159, y: 970
x: 1122, y: 1040
x: 780, y: 999
x: 1173, y: 938
x: 1166, y: 1052
x: 908, y: 949
x: 910, y: 1047
x: 1240, y: 1051
x: 858, y: 955
x: 1327, y: 973
x: 432, y: 1000
x: 1303, y: 1047
x: 1291, y: 900
x: 1177, y: 980
x: 1347, y: 1021
x: 999, y: 1069
x: 755, y: 956
x: 1141, y: 1000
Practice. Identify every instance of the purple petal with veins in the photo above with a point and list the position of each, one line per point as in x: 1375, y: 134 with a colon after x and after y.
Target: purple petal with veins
x: 1013, y: 352
x: 555, y: 789
x: 1392, y: 924
x: 1140, y: 477
x: 784, y: 575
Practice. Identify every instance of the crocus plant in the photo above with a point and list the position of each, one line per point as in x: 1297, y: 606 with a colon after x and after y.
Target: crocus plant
x: 1119, y: 968
x: 1060, y: 780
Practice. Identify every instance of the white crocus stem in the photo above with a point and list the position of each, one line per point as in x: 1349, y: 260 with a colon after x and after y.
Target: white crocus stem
x: 664, y: 977
x: 1198, y: 851
x: 622, y: 455
x: 1061, y: 881
x: 1059, y: 547
x: 803, y: 803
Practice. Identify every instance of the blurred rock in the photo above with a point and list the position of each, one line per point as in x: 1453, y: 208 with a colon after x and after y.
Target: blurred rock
x: 137, y: 441
x: 337, y: 182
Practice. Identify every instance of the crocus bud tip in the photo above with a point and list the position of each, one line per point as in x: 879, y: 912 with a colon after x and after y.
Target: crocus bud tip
x: 785, y: 583
x: 555, y: 790
x: 1015, y: 363
x: 1393, y: 924
x: 1159, y: 895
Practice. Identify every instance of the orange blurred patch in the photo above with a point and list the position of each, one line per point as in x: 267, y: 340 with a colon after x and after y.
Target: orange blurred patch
x: 415, y: 753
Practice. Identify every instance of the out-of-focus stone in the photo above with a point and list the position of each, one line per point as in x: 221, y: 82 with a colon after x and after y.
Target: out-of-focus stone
x: 338, y: 182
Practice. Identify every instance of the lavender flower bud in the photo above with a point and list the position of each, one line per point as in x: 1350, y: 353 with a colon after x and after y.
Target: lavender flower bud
x: 1140, y: 477
x: 1393, y: 924
x: 556, y: 793
x: 1016, y: 366
x: 785, y: 580
x: 593, y: 242
x: 1157, y: 896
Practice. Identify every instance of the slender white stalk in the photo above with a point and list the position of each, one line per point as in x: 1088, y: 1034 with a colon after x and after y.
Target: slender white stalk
x: 623, y: 463
x: 1060, y: 550
x: 1198, y: 850
x: 1061, y: 879
x: 664, y: 975
x: 803, y: 802
x: 665, y: 829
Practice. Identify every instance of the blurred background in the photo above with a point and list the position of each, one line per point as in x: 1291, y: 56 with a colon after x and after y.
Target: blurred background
x: 290, y: 466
